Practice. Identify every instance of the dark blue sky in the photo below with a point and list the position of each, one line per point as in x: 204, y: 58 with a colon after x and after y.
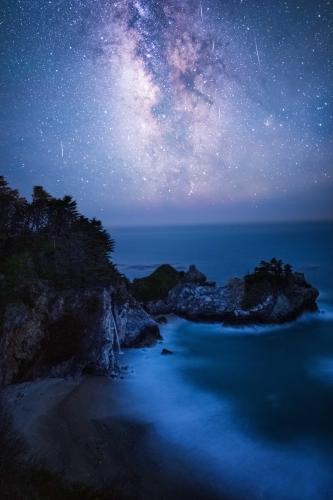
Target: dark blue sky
x: 170, y: 112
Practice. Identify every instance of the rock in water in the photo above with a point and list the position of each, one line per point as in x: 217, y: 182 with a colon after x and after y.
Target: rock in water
x: 157, y: 285
x: 265, y: 296
x: 136, y: 327
x: 193, y: 275
x: 166, y: 351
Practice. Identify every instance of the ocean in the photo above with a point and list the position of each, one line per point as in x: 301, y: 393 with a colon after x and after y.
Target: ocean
x: 248, y: 410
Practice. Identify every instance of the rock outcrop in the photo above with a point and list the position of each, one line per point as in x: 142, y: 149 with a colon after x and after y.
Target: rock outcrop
x: 70, y: 332
x: 81, y: 330
x: 193, y: 275
x: 241, y: 301
x: 157, y: 285
x: 135, y: 326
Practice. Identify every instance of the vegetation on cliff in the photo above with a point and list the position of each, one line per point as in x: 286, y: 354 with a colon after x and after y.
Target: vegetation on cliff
x: 270, y: 277
x: 47, y: 239
x: 157, y: 285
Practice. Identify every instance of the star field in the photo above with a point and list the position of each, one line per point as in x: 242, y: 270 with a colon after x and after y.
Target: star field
x: 170, y: 111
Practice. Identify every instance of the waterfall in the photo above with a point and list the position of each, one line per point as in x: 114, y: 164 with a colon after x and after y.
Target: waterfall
x: 115, y: 330
x: 109, y: 332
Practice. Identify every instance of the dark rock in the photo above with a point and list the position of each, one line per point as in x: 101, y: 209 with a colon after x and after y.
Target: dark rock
x: 161, y: 320
x: 272, y: 302
x: 157, y: 285
x: 193, y: 275
x: 70, y: 332
x: 166, y: 351
x: 147, y: 337
x: 135, y: 326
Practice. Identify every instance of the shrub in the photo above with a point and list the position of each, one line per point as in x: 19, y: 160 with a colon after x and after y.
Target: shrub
x: 157, y: 285
x: 268, y: 278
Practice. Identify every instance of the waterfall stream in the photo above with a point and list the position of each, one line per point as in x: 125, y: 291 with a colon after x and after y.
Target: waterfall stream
x: 115, y: 330
x: 109, y: 328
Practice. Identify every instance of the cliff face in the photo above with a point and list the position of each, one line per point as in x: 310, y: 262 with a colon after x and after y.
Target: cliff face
x: 70, y: 332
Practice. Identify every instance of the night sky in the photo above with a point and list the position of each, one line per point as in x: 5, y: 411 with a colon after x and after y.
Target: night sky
x: 182, y: 111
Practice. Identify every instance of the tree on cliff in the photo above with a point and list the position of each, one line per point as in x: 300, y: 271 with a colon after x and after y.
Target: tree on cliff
x: 13, y: 211
x: 38, y: 209
x: 49, y: 239
x: 269, y: 277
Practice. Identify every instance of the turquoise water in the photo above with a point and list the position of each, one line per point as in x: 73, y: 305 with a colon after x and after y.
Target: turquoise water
x: 252, y: 407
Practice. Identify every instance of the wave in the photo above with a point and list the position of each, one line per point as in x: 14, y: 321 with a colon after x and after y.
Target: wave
x: 255, y: 329
x: 180, y: 409
x: 325, y: 313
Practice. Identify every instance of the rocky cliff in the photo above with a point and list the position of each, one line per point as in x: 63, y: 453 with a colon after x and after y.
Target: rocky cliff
x: 70, y: 332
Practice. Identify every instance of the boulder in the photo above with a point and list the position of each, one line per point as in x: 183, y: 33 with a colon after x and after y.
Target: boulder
x: 166, y: 352
x: 136, y: 327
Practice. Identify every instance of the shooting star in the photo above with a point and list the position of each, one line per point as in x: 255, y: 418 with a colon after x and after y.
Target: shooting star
x: 257, y: 52
x: 219, y: 113
x: 201, y: 13
x: 62, y: 149
x: 213, y: 46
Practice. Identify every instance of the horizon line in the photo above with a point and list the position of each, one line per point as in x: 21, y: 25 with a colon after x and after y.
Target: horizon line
x: 220, y: 223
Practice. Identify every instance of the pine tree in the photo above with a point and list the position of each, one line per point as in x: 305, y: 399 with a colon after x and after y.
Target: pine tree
x: 12, y: 212
x: 39, y: 208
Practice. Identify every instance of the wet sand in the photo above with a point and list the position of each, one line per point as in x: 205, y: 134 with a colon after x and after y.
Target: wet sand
x: 81, y: 430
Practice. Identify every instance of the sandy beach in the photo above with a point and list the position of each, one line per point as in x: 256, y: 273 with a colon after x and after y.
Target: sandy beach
x: 82, y: 431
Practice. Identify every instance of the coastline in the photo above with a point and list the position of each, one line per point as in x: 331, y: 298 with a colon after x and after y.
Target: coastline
x: 155, y: 433
x: 82, y: 431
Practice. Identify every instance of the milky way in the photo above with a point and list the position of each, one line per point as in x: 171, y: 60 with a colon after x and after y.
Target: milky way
x: 187, y: 110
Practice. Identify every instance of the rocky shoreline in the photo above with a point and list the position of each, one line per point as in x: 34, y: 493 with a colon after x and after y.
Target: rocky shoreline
x: 252, y: 299
x: 207, y: 302
x: 80, y: 331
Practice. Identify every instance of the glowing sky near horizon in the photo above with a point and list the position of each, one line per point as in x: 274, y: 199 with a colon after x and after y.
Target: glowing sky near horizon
x: 170, y: 110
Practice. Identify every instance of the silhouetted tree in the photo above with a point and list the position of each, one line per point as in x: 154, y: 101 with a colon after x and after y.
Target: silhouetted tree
x: 268, y: 277
x: 12, y: 212
x: 39, y: 208
x: 52, y: 240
